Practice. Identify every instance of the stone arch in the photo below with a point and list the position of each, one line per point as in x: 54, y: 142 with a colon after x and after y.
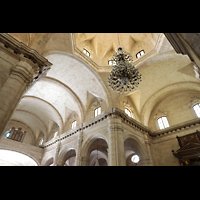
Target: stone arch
x: 90, y: 148
x: 47, y: 161
x: 22, y: 153
x: 133, y: 145
x: 39, y: 111
x: 71, y: 92
x: 163, y: 93
x: 63, y: 61
x: 67, y: 157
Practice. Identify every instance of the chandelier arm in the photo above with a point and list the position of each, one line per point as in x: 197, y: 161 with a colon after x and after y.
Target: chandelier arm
x: 124, y: 76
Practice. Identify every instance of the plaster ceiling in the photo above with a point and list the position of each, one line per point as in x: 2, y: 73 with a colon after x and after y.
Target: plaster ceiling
x: 46, y: 42
x: 13, y: 158
x: 73, y: 76
x: 101, y: 46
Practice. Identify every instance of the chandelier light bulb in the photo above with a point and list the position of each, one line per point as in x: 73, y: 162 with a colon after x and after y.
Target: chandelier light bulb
x: 124, y: 76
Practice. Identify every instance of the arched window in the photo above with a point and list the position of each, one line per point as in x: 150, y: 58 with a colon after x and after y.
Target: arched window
x: 163, y: 122
x: 128, y: 112
x: 196, y: 109
x: 41, y: 141
x: 74, y: 124
x: 97, y: 111
x: 140, y: 53
x: 55, y: 134
x: 85, y: 51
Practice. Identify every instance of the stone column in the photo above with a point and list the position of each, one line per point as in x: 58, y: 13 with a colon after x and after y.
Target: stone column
x: 28, y: 67
x: 147, y: 161
x: 78, y: 154
x: 57, y: 153
x: 116, y: 152
x: 12, y: 91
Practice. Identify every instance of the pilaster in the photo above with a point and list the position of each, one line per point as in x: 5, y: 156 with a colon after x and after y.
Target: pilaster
x: 29, y: 66
x: 116, y: 152
x: 78, y: 156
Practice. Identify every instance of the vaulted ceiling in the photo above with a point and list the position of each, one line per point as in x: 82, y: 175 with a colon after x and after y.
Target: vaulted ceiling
x: 102, y: 45
x: 75, y: 79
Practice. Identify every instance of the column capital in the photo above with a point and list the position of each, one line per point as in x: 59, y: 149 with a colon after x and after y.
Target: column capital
x: 21, y: 70
x: 29, y: 58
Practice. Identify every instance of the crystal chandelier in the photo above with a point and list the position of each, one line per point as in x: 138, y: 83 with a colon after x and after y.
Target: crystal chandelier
x: 124, y: 76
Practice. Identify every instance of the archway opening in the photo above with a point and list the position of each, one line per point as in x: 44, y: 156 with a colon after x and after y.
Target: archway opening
x: 70, y: 158
x: 132, y: 154
x: 49, y: 162
x: 98, y: 154
x: 13, y: 158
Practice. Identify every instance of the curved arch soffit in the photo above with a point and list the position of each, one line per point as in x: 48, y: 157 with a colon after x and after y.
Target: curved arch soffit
x: 50, y: 52
x: 89, y: 142
x: 76, y: 98
x: 65, y: 154
x: 139, y: 147
x: 47, y: 160
x: 60, y: 117
x: 158, y: 96
x: 34, y: 116
x: 25, y: 125
x: 23, y: 153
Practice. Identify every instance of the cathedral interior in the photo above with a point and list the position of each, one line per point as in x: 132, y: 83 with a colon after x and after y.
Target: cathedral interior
x: 57, y: 108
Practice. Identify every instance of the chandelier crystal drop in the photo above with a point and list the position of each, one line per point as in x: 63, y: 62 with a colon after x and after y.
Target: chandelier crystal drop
x: 124, y: 76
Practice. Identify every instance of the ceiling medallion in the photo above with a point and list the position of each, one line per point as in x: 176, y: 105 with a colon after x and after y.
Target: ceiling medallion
x: 124, y: 76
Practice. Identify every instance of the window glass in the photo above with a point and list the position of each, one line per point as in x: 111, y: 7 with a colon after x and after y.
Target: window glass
x: 86, y: 52
x: 135, y: 159
x: 97, y: 111
x: 163, y: 122
x: 74, y: 124
x: 128, y: 112
x: 15, y: 134
x: 111, y: 62
x: 197, y: 109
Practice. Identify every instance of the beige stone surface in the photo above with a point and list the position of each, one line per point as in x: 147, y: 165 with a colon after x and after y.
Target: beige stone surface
x: 76, y: 84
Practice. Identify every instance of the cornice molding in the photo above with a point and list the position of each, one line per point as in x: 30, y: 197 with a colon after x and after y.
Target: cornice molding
x: 128, y: 120
x: 20, y: 48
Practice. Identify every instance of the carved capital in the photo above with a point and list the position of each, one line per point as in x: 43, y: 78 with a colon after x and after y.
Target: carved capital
x: 22, y: 73
x: 32, y: 66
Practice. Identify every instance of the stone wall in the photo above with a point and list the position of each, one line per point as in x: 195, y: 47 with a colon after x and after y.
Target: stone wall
x: 115, y: 127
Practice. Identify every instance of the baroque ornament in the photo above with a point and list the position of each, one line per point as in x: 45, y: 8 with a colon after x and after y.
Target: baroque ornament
x: 124, y: 76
